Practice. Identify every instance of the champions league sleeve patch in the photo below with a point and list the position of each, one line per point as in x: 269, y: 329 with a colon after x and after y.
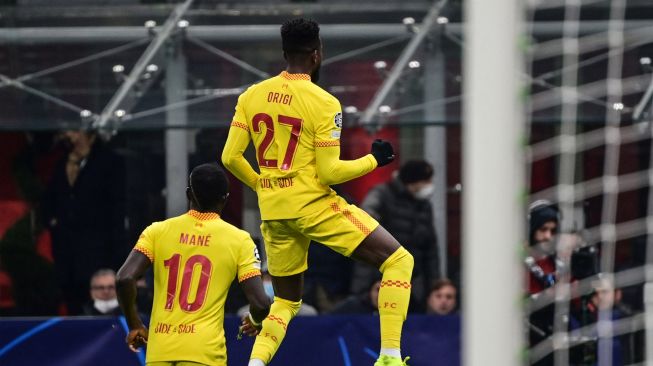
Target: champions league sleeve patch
x: 337, y: 119
x: 256, y: 255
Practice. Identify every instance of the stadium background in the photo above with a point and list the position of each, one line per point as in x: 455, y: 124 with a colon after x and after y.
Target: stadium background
x: 175, y: 115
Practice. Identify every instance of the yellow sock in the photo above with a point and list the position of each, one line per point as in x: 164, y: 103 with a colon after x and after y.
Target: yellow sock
x: 274, y: 329
x: 394, y: 296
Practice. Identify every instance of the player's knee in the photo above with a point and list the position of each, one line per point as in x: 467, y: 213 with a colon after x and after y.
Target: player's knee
x: 409, y: 260
x: 291, y: 306
x: 400, y: 259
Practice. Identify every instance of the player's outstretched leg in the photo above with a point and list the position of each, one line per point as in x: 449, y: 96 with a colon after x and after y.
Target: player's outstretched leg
x: 381, y: 250
x: 281, y: 313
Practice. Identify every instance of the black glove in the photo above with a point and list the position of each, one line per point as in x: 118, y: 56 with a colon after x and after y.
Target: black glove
x: 382, y: 152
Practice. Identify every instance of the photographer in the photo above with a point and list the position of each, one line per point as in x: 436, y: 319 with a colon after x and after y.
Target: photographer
x: 552, y: 256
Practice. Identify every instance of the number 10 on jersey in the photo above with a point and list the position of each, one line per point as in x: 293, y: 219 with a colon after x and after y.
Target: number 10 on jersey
x: 172, y: 264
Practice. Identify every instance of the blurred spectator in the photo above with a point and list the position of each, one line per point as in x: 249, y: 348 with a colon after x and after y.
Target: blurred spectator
x: 604, y: 298
x: 304, y: 310
x: 549, y: 259
x: 84, y: 207
x: 442, y: 299
x: 365, y: 303
x: 402, y: 206
x: 104, y: 300
x: 543, y: 221
x: 550, y: 254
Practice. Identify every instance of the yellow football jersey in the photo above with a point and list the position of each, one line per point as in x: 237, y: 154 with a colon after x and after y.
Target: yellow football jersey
x: 288, y: 118
x: 196, y: 257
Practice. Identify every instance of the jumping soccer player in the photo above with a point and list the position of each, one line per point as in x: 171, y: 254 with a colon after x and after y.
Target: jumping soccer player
x: 196, y: 257
x: 295, y: 126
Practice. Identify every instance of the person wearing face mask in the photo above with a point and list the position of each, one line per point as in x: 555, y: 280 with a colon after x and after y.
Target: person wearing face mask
x: 104, y: 300
x: 402, y: 206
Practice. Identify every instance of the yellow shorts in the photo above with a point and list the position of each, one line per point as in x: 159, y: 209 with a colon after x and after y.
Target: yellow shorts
x: 340, y: 226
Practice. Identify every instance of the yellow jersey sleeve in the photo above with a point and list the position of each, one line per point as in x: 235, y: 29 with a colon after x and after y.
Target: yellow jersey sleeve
x: 249, y: 263
x: 239, y: 114
x: 330, y: 169
x: 328, y: 123
x: 237, y: 142
x: 146, y: 240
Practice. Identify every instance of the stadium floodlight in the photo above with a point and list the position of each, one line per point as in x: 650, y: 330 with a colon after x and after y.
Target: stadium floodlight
x: 350, y: 109
x: 380, y: 65
x: 150, y: 25
x: 183, y: 24
x: 118, y: 69
x: 385, y: 109
x: 381, y: 68
x: 618, y: 106
x: 120, y: 113
x: 151, y: 68
x: 442, y: 20
x: 414, y: 64
x: 85, y: 113
x: 409, y: 22
x: 646, y: 63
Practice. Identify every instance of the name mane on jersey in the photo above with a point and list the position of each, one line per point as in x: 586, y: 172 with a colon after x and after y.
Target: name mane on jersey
x: 196, y: 240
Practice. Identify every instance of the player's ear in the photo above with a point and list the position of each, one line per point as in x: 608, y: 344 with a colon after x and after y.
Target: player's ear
x: 315, y: 56
x: 189, y: 194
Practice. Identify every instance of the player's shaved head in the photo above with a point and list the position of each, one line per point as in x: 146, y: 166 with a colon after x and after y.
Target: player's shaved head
x: 208, y: 187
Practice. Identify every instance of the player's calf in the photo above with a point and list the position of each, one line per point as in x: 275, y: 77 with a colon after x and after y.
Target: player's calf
x: 394, y: 296
x: 274, y: 330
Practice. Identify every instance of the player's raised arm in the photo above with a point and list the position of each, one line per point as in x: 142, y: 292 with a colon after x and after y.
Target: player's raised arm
x: 332, y: 170
x: 237, y: 141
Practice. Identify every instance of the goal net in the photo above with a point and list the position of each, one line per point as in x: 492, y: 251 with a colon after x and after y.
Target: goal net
x: 589, y: 155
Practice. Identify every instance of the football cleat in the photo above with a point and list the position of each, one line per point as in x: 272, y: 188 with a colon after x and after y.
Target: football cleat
x: 385, y: 360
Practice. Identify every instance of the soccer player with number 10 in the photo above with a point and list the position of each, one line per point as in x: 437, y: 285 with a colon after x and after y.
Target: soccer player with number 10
x: 196, y: 257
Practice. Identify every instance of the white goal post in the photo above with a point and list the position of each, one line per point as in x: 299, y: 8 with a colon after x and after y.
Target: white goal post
x: 493, y: 184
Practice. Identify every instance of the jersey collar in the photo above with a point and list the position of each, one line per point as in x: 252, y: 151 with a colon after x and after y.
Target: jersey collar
x: 203, y: 215
x: 286, y: 75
